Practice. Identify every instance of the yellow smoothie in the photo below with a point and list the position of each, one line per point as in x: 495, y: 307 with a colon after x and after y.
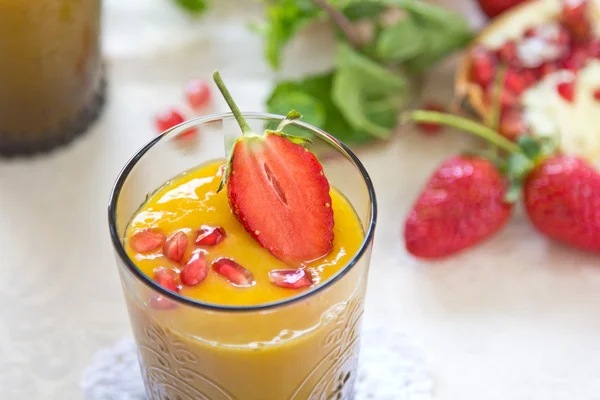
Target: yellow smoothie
x: 304, y: 350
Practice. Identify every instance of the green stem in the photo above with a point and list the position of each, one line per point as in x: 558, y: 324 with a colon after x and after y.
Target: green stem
x: 341, y: 21
x: 246, y: 130
x: 466, y: 125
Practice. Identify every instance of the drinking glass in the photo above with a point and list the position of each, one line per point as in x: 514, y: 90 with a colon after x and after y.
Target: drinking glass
x: 303, y: 347
x: 51, y: 75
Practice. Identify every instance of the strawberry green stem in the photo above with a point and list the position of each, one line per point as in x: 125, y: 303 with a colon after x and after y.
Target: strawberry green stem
x: 246, y: 130
x: 466, y: 125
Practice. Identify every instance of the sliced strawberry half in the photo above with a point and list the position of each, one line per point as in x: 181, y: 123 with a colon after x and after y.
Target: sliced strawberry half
x: 278, y: 191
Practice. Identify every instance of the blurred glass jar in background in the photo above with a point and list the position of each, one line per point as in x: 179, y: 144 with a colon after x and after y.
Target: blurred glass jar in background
x: 51, y: 75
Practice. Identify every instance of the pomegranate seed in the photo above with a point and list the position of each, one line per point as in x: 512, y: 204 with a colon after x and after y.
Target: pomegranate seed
x: 529, y: 77
x: 566, y: 90
x: 594, y: 48
x: 507, y: 99
x: 508, y: 52
x: 511, y: 123
x: 146, y: 240
x: 574, y: 16
x: 170, y: 118
x: 195, y: 271
x: 290, y: 278
x: 166, y: 278
x: 197, y: 93
x: 175, y: 246
x: 430, y: 128
x: 563, y: 38
x: 530, y: 32
x: 234, y: 272
x: 161, y: 303
x: 576, y: 59
x: 210, y: 235
x: 483, y: 66
x: 514, y: 82
x: 597, y: 94
x: 547, y: 68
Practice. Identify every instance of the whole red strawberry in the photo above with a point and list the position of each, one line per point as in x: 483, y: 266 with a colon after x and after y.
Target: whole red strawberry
x: 462, y: 204
x: 493, y: 8
x: 562, y: 199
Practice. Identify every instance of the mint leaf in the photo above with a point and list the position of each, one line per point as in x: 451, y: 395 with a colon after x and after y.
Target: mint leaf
x: 368, y: 95
x: 364, y: 9
x: 318, y: 89
x: 283, y: 19
x: 401, y: 41
x: 193, y: 6
x: 442, y: 33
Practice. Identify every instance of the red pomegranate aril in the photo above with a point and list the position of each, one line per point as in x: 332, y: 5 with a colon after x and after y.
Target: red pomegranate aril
x: 430, y: 128
x: 514, y: 82
x: 566, y: 90
x: 594, y: 48
x: 170, y: 118
x: 198, y: 94
x: 529, y: 77
x: 159, y: 302
x: 563, y: 38
x: 483, y: 66
x: 166, y: 278
x: 574, y: 16
x: 210, y: 235
x: 597, y: 94
x: 175, y: 246
x: 195, y: 271
x: 234, y: 272
x: 511, y: 123
x: 547, y: 68
x: 146, y: 240
x: 508, y: 52
x: 576, y: 60
x: 530, y: 32
x: 290, y: 278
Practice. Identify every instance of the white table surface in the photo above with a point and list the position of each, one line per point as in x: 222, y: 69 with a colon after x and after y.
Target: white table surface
x: 517, y: 318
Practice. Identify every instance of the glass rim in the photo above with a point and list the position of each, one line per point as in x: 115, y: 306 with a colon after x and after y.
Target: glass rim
x: 148, y: 281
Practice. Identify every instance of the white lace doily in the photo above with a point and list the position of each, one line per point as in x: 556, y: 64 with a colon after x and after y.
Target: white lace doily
x: 391, y: 368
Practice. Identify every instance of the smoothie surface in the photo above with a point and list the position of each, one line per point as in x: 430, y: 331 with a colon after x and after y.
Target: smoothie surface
x: 190, y: 201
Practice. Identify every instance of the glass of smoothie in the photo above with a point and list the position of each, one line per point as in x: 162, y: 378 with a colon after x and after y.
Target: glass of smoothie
x: 51, y: 76
x: 215, y: 314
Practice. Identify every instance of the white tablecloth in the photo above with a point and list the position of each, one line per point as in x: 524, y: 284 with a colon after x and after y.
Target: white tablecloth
x: 517, y: 318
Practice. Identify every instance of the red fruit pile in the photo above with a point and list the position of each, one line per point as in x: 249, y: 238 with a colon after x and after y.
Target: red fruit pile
x: 564, y: 44
x: 470, y: 198
x: 180, y: 272
x: 198, y: 96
